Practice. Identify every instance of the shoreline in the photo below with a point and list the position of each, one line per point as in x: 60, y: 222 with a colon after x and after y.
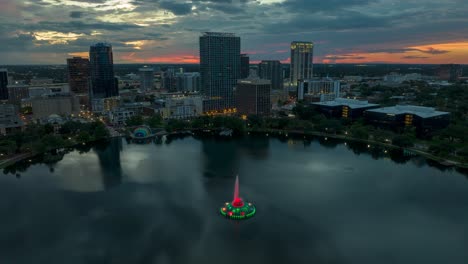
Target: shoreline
x: 445, y: 162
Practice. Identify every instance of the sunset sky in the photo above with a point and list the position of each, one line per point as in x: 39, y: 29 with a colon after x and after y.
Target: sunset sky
x: 167, y: 31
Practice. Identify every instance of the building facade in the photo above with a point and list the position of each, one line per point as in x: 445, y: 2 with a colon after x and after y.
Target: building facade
x: 253, y: 97
x: 244, y: 66
x: 3, y: 84
x: 78, y: 75
x: 424, y: 119
x: 146, y: 78
x: 60, y: 104
x: 219, y: 69
x: 318, y: 90
x: 343, y: 108
x: 103, y: 82
x: 17, y: 92
x: 188, y: 82
x: 10, y: 121
x: 450, y: 72
x: 301, y: 68
x: 271, y: 70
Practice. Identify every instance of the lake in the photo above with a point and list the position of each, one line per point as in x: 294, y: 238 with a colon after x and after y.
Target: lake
x: 318, y: 201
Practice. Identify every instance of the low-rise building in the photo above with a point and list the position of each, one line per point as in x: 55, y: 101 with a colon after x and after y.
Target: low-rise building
x: 182, y: 107
x: 318, y: 90
x: 344, y: 108
x: 61, y: 104
x: 10, y: 120
x: 424, y: 119
x: 120, y: 115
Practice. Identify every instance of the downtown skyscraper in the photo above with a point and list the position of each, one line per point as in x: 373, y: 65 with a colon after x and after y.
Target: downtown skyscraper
x: 302, y: 54
x: 3, y: 84
x: 103, y: 82
x: 78, y: 75
x: 271, y: 70
x: 219, y: 69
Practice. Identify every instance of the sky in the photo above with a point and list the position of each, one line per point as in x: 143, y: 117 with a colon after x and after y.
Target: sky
x: 167, y: 31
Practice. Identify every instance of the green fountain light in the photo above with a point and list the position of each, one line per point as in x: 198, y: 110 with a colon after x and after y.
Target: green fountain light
x: 237, y: 209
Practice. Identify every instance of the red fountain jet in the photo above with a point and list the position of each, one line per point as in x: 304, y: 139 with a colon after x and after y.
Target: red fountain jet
x: 237, y: 202
x: 237, y: 209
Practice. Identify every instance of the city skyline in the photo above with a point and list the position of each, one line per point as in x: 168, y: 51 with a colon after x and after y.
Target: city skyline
x: 143, y: 31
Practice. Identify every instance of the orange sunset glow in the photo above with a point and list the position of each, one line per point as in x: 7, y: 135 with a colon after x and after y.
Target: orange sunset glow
x: 456, y: 52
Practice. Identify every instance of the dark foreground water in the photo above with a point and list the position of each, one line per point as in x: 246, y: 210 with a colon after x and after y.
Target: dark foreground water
x: 158, y: 203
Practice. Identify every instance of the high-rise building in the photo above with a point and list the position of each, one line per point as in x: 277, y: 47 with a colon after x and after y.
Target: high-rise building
x: 188, y: 82
x: 168, y: 80
x: 244, y: 66
x: 450, y: 72
x: 78, y: 75
x: 3, y: 84
x: 219, y: 69
x: 17, y: 92
x: 146, y: 78
x: 301, y: 62
x: 273, y: 71
x: 253, y: 96
x: 103, y: 82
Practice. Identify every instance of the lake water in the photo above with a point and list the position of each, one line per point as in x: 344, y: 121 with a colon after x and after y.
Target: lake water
x: 321, y: 201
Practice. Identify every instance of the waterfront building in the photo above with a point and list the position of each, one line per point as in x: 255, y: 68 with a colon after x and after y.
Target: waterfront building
x: 103, y: 82
x: 271, y: 70
x: 301, y: 62
x: 343, y: 108
x: 119, y: 116
x: 10, y: 120
x: 244, y: 66
x: 146, y: 78
x: 182, y: 107
x: 253, y: 96
x: 424, y: 119
x: 17, y: 92
x: 219, y: 69
x: 78, y: 75
x: 3, y: 84
x: 318, y: 90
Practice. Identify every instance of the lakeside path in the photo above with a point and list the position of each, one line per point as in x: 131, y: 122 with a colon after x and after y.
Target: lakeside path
x: 417, y: 151
x: 9, y: 161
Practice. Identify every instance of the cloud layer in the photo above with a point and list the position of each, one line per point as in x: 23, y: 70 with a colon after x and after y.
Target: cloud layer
x: 163, y: 31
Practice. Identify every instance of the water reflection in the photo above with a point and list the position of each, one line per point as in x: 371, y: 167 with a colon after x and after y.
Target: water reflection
x: 109, y: 160
x: 315, y: 205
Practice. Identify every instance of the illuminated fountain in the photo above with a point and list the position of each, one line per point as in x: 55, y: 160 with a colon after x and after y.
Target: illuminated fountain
x: 237, y: 209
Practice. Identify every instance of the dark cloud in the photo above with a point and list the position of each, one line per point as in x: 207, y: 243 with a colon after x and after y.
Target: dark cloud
x: 80, y: 27
x: 314, y: 6
x: 76, y: 14
x: 433, y: 51
x: 177, y: 8
x: 414, y: 57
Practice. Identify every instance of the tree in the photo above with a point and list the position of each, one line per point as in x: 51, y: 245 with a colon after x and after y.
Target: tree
x: 83, y: 136
x: 154, y: 121
x: 402, y: 141
x: 359, y: 132
x: 100, y: 132
x: 134, y: 121
x: 7, y: 147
